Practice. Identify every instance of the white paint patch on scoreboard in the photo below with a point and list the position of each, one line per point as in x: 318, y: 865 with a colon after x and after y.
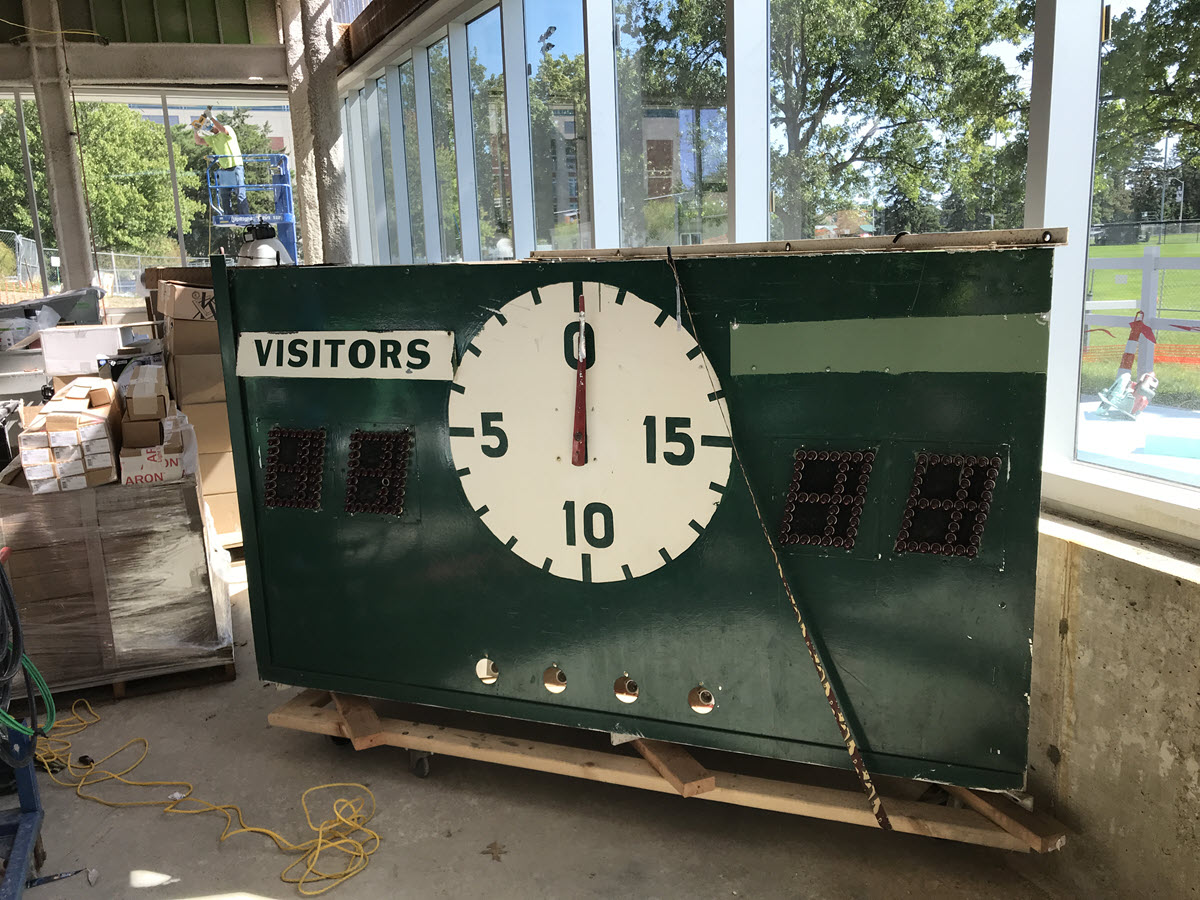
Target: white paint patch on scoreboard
x: 427, y: 355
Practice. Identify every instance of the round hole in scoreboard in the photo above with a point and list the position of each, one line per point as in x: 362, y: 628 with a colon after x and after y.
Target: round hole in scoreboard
x: 701, y: 700
x: 555, y: 680
x: 626, y: 689
x: 486, y: 670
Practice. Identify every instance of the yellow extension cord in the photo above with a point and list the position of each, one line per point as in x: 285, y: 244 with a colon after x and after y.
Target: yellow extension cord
x: 346, y: 833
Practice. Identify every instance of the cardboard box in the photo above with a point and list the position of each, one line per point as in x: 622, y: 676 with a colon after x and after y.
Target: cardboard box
x: 146, y: 395
x: 211, y: 422
x: 185, y: 301
x: 137, y: 434
x: 75, y: 349
x: 36, y: 456
x: 216, y: 473
x: 85, y: 411
x: 197, y: 379
x: 29, y: 440
x: 224, y: 509
x: 45, y: 486
x: 99, y: 461
x: 66, y: 454
x: 192, y: 336
x: 152, y: 465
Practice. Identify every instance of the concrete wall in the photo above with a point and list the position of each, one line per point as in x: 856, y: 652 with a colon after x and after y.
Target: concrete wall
x: 1114, y: 745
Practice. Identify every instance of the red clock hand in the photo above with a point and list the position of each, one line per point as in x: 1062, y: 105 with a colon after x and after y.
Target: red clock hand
x: 579, y: 432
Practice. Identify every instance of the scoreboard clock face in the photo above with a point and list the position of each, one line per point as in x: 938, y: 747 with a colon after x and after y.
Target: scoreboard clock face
x: 621, y: 491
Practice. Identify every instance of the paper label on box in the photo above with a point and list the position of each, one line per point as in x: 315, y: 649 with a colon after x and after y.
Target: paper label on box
x: 72, y: 482
x: 35, y: 456
x: 66, y: 454
x: 37, y: 473
x: 426, y: 355
x: 33, y: 439
x: 101, y: 445
x: 63, y: 438
x: 45, y: 486
x: 93, y: 431
x: 71, y: 467
x: 98, y: 461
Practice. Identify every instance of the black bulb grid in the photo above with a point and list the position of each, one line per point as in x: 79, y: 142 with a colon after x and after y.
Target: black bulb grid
x: 378, y: 471
x: 948, y: 504
x: 824, y: 501
x: 295, y: 466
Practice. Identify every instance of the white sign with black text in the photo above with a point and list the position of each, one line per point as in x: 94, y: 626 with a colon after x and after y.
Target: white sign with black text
x: 426, y: 355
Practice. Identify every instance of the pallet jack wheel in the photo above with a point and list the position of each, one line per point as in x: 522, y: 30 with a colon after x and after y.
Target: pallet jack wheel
x: 418, y: 763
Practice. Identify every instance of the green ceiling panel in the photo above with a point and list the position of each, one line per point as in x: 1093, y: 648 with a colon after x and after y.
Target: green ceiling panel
x: 234, y: 28
x: 157, y: 21
x: 140, y: 20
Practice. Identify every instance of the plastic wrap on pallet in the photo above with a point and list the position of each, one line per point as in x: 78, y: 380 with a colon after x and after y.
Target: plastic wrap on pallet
x: 113, y: 582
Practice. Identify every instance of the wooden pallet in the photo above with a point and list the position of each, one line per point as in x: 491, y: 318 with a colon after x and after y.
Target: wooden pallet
x: 671, y: 769
x: 138, y: 682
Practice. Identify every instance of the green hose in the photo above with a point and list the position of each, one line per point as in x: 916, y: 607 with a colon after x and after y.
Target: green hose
x: 8, y: 722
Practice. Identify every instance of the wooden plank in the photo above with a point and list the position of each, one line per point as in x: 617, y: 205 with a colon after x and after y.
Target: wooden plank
x: 676, y: 765
x: 1040, y: 832
x: 1005, y: 239
x: 832, y: 804
x: 362, y: 724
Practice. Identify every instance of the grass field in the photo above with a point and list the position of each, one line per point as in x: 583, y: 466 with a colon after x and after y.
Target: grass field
x: 1179, y: 297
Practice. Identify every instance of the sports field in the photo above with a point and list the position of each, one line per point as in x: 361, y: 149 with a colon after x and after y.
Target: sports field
x: 1177, y: 354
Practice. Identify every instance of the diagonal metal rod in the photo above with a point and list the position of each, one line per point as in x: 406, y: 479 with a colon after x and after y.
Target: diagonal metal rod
x: 836, y: 703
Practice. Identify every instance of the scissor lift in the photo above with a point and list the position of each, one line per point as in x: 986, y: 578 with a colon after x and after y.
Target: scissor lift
x: 276, y: 178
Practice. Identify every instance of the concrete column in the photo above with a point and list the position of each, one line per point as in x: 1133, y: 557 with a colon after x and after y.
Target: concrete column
x: 325, y: 127
x: 60, y: 142
x: 308, y: 210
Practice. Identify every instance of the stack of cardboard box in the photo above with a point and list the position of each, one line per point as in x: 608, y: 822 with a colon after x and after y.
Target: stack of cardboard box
x: 71, y: 441
x: 194, y: 364
x: 151, y: 430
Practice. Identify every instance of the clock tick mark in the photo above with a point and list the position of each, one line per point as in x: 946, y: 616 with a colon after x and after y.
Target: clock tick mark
x: 546, y: 564
x: 662, y: 551
x: 459, y: 431
x: 463, y: 472
x: 501, y: 318
x: 694, y: 352
x: 482, y: 511
x: 576, y: 290
x: 586, y: 559
x: 716, y: 395
x: 510, y: 543
x: 628, y: 574
x: 696, y: 527
x: 716, y: 440
x: 620, y: 297
x: 473, y: 349
x: 663, y: 315
x: 457, y: 388
x: 719, y: 488
x: 537, y: 298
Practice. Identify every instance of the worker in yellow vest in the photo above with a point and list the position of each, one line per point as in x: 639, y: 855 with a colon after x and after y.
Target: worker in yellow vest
x: 231, y: 174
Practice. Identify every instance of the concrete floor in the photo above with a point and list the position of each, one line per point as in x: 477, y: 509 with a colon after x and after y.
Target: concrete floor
x: 561, y: 837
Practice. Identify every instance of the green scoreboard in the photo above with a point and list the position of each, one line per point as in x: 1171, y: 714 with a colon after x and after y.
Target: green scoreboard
x: 557, y: 489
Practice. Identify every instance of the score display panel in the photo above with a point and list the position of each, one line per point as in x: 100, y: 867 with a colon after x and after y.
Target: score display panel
x: 427, y: 518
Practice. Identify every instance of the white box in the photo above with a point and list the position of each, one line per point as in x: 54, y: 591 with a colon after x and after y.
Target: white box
x: 64, y: 438
x: 39, y: 473
x: 100, y: 445
x: 45, y: 486
x: 67, y: 453
x: 93, y: 431
x: 74, y: 349
x: 74, y: 467
x: 33, y: 439
x: 36, y: 456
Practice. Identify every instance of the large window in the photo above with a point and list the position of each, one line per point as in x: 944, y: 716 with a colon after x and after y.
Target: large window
x: 1139, y: 398
x: 21, y: 269
x: 891, y: 116
x: 671, y: 124
x: 389, y: 176
x: 445, y: 162
x: 493, y: 174
x: 558, y: 124
x: 412, y: 160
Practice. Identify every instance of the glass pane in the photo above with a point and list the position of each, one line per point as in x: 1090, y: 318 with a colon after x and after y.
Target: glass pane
x: 671, y: 102
x: 879, y: 128
x: 445, y: 162
x: 20, y: 268
x: 412, y: 161
x: 389, y: 182
x: 1139, y: 403
x: 493, y: 185
x: 263, y: 132
x: 558, y: 124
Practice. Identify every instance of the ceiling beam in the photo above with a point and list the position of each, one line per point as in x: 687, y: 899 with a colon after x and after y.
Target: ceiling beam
x: 254, y: 65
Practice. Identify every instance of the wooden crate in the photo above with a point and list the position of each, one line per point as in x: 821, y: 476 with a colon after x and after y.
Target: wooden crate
x: 112, y: 582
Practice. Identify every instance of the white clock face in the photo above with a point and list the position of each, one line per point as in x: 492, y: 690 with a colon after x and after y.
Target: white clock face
x: 655, y: 428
